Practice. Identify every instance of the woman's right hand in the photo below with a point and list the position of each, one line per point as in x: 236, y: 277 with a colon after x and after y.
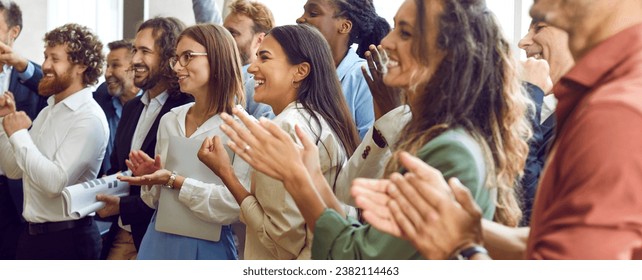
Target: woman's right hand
x: 213, y: 155
x: 265, y: 146
x: 141, y: 164
x: 384, y: 98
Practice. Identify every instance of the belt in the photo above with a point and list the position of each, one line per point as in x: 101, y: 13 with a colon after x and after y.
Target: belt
x: 48, y: 227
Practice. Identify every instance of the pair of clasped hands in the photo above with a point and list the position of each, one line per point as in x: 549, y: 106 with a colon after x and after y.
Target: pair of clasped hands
x: 12, y: 120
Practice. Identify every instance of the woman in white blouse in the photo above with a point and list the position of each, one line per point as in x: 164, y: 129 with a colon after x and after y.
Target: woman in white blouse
x: 294, y: 74
x: 208, y: 67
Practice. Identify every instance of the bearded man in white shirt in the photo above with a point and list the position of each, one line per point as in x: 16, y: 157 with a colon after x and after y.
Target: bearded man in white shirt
x: 65, y: 146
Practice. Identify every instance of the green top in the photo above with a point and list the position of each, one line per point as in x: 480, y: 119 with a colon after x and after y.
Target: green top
x: 456, y: 154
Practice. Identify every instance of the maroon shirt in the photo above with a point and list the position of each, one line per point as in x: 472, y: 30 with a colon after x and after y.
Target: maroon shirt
x: 589, y: 203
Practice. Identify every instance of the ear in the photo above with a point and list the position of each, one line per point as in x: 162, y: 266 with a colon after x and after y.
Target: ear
x: 345, y: 27
x: 80, y: 69
x: 302, y: 71
x: 259, y: 39
x: 14, y: 32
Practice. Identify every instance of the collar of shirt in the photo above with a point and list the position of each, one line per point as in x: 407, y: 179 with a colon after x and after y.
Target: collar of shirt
x: 74, y: 101
x: 6, y: 68
x: 118, y: 107
x: 348, y: 62
x: 590, y: 70
x: 214, y: 122
x: 161, y: 98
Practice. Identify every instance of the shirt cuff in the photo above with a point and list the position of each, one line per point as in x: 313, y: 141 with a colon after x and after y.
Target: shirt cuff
x: 187, y: 191
x: 28, y: 73
x: 20, y: 138
x: 391, y: 124
x: 327, y: 230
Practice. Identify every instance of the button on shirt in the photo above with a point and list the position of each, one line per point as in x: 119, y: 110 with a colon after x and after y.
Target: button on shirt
x: 65, y: 146
x: 147, y: 117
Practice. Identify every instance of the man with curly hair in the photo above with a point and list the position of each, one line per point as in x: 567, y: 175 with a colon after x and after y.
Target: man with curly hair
x: 65, y: 146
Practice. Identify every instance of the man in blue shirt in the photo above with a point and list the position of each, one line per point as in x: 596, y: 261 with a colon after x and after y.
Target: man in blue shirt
x: 117, y: 89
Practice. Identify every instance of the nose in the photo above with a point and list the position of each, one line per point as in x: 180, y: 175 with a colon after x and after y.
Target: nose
x: 108, y: 71
x: 46, y: 65
x: 176, y: 66
x: 386, y: 42
x: 526, y: 41
x: 252, y: 69
x: 136, y: 57
x: 300, y: 20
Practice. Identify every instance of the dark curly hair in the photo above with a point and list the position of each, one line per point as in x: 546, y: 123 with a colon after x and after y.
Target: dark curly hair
x: 165, y: 31
x: 367, y: 26
x: 83, y: 48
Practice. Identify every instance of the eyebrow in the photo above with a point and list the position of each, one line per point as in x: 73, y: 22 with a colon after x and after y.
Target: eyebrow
x: 402, y: 23
x: 263, y: 52
x: 143, y: 48
x: 232, y: 30
x: 310, y: 6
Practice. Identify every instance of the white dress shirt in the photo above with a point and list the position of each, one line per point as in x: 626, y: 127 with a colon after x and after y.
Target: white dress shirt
x: 147, y: 118
x: 65, y: 146
x: 210, y: 202
x: 548, y: 107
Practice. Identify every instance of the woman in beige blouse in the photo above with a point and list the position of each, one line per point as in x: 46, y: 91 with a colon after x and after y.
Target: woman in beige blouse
x: 295, y: 75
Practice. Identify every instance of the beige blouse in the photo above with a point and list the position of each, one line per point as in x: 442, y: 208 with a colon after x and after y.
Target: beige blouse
x: 275, y: 227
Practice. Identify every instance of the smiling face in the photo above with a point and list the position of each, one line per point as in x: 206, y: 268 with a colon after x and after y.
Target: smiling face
x: 193, y: 78
x: 403, y: 68
x: 58, y: 72
x: 551, y: 44
x: 118, y: 77
x: 146, y: 60
x: 273, y: 75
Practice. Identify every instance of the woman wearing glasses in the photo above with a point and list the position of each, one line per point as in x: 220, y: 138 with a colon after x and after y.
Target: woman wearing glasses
x: 208, y: 67
x: 293, y: 74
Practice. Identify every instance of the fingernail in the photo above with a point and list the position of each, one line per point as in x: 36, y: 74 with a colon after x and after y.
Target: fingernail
x: 225, y: 116
x: 224, y: 127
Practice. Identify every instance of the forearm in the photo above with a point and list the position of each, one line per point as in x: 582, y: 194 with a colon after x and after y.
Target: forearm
x: 326, y: 194
x: 234, y: 185
x: 505, y: 242
x: 311, y: 204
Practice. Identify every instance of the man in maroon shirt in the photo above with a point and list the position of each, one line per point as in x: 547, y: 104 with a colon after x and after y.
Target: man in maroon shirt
x: 589, y: 202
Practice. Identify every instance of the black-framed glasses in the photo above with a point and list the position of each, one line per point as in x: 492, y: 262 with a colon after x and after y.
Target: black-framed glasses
x: 184, y: 58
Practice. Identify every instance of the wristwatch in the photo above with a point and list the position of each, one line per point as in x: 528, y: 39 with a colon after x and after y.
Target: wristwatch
x: 468, y: 252
x: 170, y: 182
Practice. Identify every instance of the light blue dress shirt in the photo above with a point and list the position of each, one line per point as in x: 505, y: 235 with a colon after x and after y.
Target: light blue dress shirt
x: 356, y: 91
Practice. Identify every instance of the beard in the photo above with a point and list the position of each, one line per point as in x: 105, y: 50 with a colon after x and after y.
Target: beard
x: 148, y: 82
x: 115, y: 87
x: 54, y: 85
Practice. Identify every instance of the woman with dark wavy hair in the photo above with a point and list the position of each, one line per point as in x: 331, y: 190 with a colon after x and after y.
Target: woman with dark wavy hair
x: 466, y: 116
x: 295, y: 76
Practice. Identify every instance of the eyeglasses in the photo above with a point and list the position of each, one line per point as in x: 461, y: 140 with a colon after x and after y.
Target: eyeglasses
x: 184, y: 58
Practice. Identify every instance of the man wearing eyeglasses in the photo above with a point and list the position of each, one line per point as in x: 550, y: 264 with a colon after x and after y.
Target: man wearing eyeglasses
x: 153, y: 48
